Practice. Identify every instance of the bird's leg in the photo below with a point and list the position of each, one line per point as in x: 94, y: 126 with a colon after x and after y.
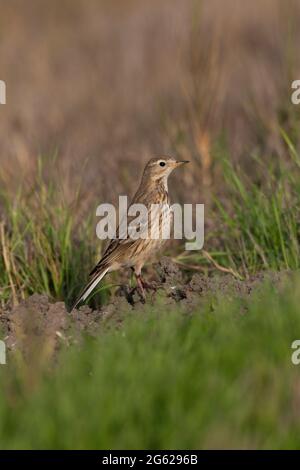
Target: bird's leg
x: 140, y: 286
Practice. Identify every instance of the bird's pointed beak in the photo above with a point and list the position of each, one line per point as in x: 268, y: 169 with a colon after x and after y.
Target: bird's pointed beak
x: 182, y: 162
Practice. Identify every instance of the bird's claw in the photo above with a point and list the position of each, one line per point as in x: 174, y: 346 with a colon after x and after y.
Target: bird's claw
x: 149, y: 285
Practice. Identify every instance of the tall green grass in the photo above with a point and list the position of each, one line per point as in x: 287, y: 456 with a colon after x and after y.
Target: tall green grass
x: 44, y: 248
x: 219, y: 378
x: 260, y: 226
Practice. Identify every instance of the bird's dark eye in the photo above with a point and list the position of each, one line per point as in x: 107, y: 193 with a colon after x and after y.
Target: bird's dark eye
x: 162, y: 164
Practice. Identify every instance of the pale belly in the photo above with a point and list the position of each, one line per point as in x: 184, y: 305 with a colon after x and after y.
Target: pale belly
x: 159, y: 232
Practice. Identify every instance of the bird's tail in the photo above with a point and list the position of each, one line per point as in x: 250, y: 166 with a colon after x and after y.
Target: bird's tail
x: 90, y: 286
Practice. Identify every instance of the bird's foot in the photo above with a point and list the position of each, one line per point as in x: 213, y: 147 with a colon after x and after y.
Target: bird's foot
x: 141, y: 287
x: 149, y: 285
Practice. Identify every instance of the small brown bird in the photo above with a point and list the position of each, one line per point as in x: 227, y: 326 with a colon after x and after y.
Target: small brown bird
x: 133, y: 253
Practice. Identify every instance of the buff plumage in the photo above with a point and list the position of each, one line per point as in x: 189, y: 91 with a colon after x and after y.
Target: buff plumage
x: 133, y: 253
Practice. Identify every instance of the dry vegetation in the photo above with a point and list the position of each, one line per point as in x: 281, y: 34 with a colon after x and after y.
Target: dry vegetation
x: 95, y: 88
x: 106, y: 84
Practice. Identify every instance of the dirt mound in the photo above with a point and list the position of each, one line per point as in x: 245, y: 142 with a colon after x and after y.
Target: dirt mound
x: 44, y: 325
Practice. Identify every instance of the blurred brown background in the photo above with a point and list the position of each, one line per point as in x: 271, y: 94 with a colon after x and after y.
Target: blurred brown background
x: 107, y: 84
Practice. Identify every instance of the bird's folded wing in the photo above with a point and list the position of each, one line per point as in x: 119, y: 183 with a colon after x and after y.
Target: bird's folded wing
x: 138, y: 227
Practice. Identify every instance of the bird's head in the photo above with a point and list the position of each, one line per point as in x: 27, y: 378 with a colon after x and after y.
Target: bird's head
x: 159, y: 168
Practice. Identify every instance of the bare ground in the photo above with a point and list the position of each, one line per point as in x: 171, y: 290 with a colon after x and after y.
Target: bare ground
x: 39, y: 326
